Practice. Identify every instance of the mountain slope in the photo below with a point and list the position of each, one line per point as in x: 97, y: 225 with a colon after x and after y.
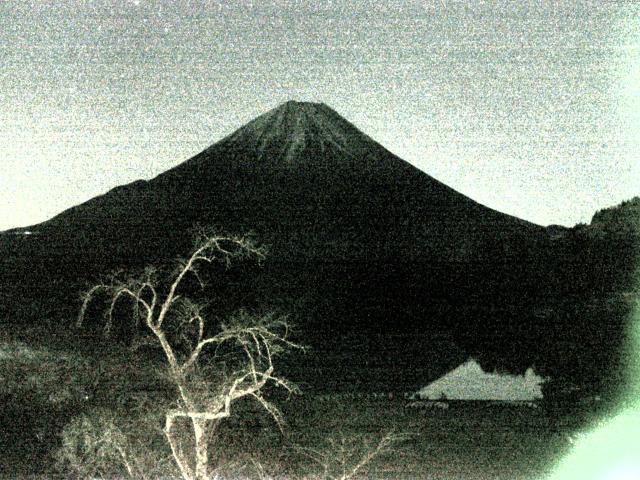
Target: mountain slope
x: 304, y: 166
x: 392, y: 276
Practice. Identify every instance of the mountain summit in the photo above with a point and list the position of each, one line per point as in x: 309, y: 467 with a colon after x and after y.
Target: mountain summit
x: 286, y: 132
x: 300, y: 139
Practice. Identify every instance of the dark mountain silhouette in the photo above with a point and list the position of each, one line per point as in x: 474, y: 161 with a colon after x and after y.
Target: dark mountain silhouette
x: 302, y: 164
x: 392, y: 276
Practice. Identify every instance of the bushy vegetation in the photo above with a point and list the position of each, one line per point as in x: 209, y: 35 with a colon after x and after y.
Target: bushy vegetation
x: 116, y: 443
x: 102, y: 443
x: 44, y: 376
x: 322, y: 439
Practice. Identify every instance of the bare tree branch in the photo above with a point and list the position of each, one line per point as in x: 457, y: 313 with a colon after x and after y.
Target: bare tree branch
x: 86, y: 299
x: 340, y: 460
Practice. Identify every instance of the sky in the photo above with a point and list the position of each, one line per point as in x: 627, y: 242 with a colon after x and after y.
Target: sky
x: 531, y: 108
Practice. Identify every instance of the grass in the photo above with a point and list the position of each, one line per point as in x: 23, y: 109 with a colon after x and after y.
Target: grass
x: 468, y: 441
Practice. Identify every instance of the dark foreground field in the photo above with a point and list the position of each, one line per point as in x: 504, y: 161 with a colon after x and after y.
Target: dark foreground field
x: 466, y: 441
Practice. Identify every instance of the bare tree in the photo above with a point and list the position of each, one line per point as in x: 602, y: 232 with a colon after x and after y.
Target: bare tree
x: 178, y: 325
x: 343, y: 458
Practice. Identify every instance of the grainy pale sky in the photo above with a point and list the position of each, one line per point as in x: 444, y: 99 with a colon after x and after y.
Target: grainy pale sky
x: 532, y: 108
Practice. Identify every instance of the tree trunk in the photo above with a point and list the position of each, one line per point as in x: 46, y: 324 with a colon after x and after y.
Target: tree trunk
x: 185, y: 470
x: 202, y: 453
